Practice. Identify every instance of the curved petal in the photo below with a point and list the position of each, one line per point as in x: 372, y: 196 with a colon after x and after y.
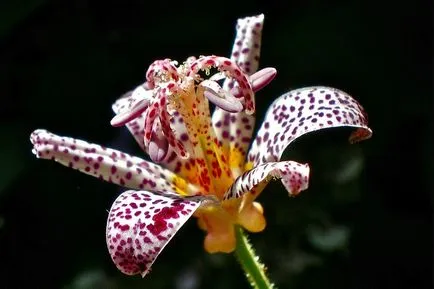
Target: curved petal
x: 234, y: 130
x: 302, y: 111
x: 141, y: 224
x: 294, y: 176
x: 107, y: 164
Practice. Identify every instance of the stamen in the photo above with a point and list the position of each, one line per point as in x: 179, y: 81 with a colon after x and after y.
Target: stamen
x: 131, y: 105
x: 220, y: 97
x: 258, y: 80
x: 161, y: 71
x: 125, y: 117
x: 262, y: 78
x: 231, y: 69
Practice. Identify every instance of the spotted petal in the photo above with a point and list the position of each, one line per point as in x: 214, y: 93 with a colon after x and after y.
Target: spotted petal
x: 247, y: 43
x: 141, y: 224
x: 302, y: 111
x: 234, y: 130
x: 107, y: 164
x: 294, y: 176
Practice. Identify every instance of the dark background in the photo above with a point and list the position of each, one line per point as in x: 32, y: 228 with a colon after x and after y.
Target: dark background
x: 365, y: 222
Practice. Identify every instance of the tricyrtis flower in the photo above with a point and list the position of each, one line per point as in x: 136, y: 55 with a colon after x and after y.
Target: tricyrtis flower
x: 206, y: 168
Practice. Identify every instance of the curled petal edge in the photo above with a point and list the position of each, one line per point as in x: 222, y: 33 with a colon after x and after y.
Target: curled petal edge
x: 294, y: 176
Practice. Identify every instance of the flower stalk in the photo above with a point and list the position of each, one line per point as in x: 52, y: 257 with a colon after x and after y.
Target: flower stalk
x: 249, y: 261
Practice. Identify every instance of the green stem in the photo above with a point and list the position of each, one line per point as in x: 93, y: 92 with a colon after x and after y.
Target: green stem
x: 253, y: 268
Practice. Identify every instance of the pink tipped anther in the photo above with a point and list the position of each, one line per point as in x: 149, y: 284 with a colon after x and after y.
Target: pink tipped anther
x: 229, y: 105
x: 262, y: 78
x: 258, y: 80
x: 220, y: 97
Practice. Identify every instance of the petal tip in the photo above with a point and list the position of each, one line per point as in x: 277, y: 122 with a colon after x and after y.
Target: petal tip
x: 360, y: 134
x: 300, y: 184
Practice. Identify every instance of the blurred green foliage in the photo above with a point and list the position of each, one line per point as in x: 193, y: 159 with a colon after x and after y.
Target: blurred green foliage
x: 365, y: 221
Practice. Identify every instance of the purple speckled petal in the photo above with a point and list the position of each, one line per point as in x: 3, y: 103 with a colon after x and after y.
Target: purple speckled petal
x: 302, y: 111
x: 234, y: 130
x: 104, y: 163
x: 141, y: 224
x: 247, y: 44
x: 294, y: 176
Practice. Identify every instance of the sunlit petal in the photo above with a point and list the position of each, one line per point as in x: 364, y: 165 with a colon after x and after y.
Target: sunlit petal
x: 141, y: 224
x: 302, y: 111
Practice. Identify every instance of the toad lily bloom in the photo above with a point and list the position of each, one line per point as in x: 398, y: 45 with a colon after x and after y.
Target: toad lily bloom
x: 206, y: 168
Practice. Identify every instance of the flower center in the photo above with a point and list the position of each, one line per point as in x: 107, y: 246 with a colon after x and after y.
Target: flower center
x: 181, y: 103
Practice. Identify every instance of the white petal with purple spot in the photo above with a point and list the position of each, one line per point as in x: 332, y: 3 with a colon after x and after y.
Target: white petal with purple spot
x: 302, y: 111
x: 141, y: 223
x: 101, y: 162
